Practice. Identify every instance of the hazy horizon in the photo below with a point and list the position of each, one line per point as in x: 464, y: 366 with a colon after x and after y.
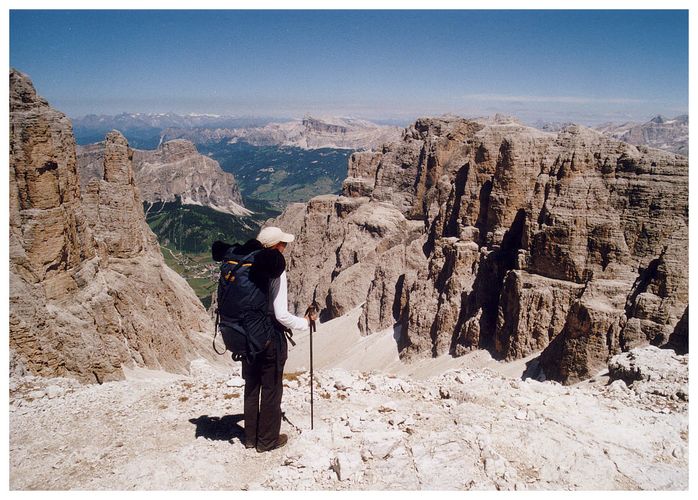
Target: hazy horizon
x: 379, y: 121
x: 588, y: 67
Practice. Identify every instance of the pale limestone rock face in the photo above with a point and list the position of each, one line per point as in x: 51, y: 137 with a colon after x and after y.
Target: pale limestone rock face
x: 48, y: 233
x: 320, y: 236
x: 360, y: 179
x: 291, y: 220
x: 339, y: 232
x: 654, y: 371
x: 349, y: 287
x: 175, y: 169
x: 113, y: 205
x: 570, y: 243
x: 387, y: 296
x: 89, y: 291
x: 591, y: 331
x: 532, y: 311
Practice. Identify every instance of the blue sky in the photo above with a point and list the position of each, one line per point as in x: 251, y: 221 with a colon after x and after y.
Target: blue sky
x: 583, y: 66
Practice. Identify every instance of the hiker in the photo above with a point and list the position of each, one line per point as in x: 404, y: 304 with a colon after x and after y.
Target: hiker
x: 259, y: 306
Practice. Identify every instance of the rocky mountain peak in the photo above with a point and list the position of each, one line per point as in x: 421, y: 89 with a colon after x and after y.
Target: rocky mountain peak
x: 177, y: 149
x: 89, y: 290
x: 113, y: 204
x: 459, y: 429
x: 425, y: 128
x: 316, y: 125
x: 117, y: 159
x: 22, y: 92
x: 177, y: 170
x: 48, y: 232
x: 505, y: 238
x: 174, y: 170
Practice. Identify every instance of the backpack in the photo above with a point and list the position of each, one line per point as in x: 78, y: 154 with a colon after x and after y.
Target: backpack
x: 242, y: 313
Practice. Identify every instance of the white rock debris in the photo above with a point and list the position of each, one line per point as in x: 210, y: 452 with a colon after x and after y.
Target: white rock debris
x: 461, y: 430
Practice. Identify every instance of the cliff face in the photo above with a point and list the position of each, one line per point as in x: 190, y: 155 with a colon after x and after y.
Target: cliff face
x: 89, y: 290
x: 175, y: 169
x: 493, y: 235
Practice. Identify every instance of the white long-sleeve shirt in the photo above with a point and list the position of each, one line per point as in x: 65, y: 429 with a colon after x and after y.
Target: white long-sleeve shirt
x: 279, y: 305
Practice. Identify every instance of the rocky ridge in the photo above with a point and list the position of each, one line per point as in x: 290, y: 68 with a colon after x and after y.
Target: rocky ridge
x: 308, y: 133
x: 174, y: 170
x: 468, y: 235
x: 89, y: 290
x: 461, y: 430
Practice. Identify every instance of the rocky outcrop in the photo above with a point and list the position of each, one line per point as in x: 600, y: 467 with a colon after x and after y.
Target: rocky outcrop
x: 651, y: 371
x: 89, y: 290
x: 113, y: 205
x: 504, y: 237
x: 341, y: 235
x: 291, y: 220
x: 174, y: 170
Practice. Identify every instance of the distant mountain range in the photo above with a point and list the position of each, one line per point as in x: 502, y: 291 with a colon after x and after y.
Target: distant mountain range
x: 144, y: 130
x: 659, y: 132
x: 308, y: 133
x: 147, y: 131
x: 165, y: 120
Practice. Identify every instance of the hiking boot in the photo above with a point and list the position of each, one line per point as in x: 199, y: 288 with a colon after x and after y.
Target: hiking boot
x: 281, y: 441
x: 250, y: 444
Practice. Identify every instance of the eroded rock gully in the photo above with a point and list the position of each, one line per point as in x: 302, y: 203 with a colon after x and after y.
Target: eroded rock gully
x: 489, y: 234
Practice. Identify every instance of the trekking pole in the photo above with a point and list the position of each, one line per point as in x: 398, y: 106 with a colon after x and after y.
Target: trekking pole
x: 312, y: 310
x: 312, y: 327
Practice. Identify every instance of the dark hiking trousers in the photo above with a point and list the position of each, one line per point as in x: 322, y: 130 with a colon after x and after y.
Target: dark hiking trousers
x: 263, y: 391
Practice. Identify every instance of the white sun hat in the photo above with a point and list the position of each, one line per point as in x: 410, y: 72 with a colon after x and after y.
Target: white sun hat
x: 270, y: 236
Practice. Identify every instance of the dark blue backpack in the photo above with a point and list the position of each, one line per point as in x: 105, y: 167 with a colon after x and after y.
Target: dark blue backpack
x: 242, y: 313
